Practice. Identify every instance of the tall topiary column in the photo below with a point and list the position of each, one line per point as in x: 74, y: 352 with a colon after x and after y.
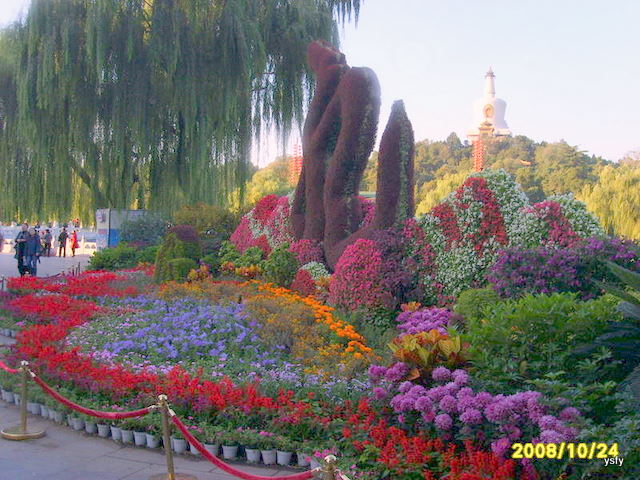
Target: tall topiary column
x: 338, y: 137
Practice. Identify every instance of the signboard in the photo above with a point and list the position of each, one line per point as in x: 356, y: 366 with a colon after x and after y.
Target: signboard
x: 108, y: 222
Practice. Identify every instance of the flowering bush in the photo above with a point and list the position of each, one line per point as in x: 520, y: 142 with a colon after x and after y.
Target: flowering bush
x: 448, y: 406
x: 424, y: 320
x: 316, y: 269
x: 307, y: 251
x: 571, y: 269
x: 266, y: 226
x: 303, y: 283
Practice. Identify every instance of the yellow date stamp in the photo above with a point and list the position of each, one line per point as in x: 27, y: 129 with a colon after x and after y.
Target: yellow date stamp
x: 558, y: 451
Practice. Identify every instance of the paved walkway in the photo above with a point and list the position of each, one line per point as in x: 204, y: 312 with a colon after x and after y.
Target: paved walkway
x: 48, y: 265
x: 66, y: 454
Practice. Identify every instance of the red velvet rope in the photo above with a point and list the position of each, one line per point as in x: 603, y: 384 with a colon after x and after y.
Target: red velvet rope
x: 6, y: 368
x: 226, y: 467
x: 89, y: 411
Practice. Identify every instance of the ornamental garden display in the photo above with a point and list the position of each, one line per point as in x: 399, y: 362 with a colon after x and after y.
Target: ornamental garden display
x: 411, y: 348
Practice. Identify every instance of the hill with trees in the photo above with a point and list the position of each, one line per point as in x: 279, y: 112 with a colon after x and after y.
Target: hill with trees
x: 610, y: 190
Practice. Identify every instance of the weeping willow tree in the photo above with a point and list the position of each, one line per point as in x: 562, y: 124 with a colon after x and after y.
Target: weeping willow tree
x: 148, y: 103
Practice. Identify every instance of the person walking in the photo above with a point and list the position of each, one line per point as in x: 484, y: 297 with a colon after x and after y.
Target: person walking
x: 32, y: 251
x: 19, y: 244
x: 48, y: 238
x: 62, y: 241
x: 74, y: 243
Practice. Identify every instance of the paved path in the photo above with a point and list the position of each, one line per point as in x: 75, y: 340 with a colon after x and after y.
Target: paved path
x: 65, y: 454
x: 48, y: 265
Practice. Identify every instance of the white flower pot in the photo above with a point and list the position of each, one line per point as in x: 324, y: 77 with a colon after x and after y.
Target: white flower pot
x: 303, y: 459
x: 179, y: 445
x: 116, y: 433
x: 70, y: 420
x: 91, y: 428
x: 269, y: 457
x: 16, y: 398
x: 212, y: 448
x: 44, y: 411
x: 284, y: 458
x: 253, y: 455
x: 140, y: 439
x: 51, y: 414
x: 193, y: 450
x: 229, y: 452
x: 32, y: 406
x: 153, y: 441
x: 7, y: 396
x: 57, y: 416
x: 103, y: 430
x: 127, y: 436
x: 77, y: 424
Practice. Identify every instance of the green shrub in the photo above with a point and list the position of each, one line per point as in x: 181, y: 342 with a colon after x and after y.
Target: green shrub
x: 213, y: 261
x: 179, y: 268
x: 280, y: 267
x: 471, y: 302
x: 145, y: 230
x: 171, y: 248
x: 251, y: 256
x: 148, y: 255
x: 529, y: 337
x: 228, y: 253
x: 213, y: 223
x: 190, y: 239
x: 121, y: 256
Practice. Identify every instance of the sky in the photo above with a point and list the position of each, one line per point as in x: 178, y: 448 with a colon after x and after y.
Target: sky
x: 568, y: 69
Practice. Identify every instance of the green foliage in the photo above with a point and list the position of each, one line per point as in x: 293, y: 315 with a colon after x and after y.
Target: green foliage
x: 171, y: 248
x: 228, y: 253
x: 118, y: 87
x: 213, y: 261
x: 472, y: 302
x: 251, y: 256
x: 623, y: 338
x: 213, y: 223
x: 190, y: 240
x: 281, y: 266
x: 179, y: 268
x: 121, y: 256
x: 148, y: 255
x: 526, y: 338
x: 147, y: 229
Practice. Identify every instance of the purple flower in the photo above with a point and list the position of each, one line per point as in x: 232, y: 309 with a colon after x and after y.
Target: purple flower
x: 500, y: 446
x: 441, y: 374
x: 443, y: 421
x: 568, y: 414
x: 379, y: 393
x: 548, y: 422
x: 424, y: 404
x: 448, y: 404
x: 471, y: 416
x: 551, y: 436
x: 405, y: 387
x: 460, y: 377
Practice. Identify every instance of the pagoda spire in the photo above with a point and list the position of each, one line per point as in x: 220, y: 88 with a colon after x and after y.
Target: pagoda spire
x: 489, y: 86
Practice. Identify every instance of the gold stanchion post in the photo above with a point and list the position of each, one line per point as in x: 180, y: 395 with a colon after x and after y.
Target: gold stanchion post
x: 329, y: 469
x: 21, y: 432
x: 166, y: 440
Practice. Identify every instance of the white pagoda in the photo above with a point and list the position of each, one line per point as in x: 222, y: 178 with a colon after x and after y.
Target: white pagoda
x: 489, y: 113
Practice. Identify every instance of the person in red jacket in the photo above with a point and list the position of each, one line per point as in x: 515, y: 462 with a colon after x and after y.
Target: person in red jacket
x: 74, y: 243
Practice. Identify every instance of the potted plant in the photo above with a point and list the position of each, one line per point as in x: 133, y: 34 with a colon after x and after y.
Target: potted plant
x: 116, y: 432
x: 267, y: 447
x: 284, y: 450
x: 197, y: 432
x: 152, y: 431
x: 250, y: 440
x: 303, y: 453
x: 229, y: 441
x: 90, y: 425
x: 211, y: 437
x: 178, y: 443
x: 126, y: 430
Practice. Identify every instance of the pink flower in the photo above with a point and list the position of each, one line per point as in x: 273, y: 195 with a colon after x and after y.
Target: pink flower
x: 443, y: 421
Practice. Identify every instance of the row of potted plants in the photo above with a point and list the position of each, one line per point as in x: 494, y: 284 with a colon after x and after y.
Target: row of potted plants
x: 256, y: 446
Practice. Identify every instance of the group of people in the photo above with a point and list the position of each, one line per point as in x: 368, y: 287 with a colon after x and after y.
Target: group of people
x: 30, y: 246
